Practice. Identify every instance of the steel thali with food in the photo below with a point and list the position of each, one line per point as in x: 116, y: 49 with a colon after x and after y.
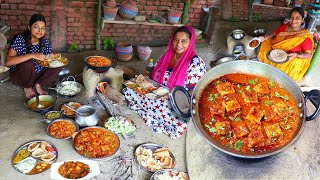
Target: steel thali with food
x: 54, y: 61
x: 145, y: 157
x: 34, y: 157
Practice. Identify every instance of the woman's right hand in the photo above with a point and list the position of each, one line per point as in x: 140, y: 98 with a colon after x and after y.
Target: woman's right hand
x: 39, y: 56
x: 261, y: 38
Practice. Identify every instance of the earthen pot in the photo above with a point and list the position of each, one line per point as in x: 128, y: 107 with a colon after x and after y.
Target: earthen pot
x: 109, y: 13
x: 128, y: 9
x: 174, y: 16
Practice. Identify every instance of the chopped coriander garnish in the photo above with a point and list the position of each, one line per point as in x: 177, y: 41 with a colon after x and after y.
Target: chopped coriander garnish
x: 248, y: 88
x: 231, y: 118
x: 287, y: 127
x: 213, y: 130
x: 218, y: 82
x: 238, y: 145
x: 271, y: 84
x: 238, y: 86
x: 267, y: 103
x: 210, y: 97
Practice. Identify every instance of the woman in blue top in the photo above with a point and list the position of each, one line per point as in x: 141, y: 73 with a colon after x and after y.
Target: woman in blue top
x: 24, y: 50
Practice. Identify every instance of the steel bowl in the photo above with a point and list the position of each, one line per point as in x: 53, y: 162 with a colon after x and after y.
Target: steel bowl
x: 49, y: 100
x: 64, y: 119
x: 259, y: 32
x: 94, y: 127
x: 222, y: 60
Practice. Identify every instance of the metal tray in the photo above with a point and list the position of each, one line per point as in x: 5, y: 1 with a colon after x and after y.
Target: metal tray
x: 25, y: 145
x: 165, y: 171
x: 276, y: 62
x: 65, y: 62
x: 153, y: 147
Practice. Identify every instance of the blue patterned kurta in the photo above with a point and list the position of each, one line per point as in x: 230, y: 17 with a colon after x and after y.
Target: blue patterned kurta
x: 20, y: 46
x: 158, y: 114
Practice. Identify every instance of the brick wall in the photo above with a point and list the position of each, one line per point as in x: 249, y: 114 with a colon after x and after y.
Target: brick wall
x: 75, y: 21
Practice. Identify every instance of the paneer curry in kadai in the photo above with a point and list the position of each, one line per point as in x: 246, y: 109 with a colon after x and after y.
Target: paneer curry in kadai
x: 248, y: 113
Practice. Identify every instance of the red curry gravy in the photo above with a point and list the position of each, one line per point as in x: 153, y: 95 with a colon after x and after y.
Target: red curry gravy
x: 248, y: 113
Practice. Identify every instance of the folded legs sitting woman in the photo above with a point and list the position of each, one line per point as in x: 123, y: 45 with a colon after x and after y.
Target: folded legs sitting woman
x: 179, y: 65
x: 24, y: 50
x: 293, y: 39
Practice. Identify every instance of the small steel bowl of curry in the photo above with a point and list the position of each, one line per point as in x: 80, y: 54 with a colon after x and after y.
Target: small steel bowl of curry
x: 47, y: 101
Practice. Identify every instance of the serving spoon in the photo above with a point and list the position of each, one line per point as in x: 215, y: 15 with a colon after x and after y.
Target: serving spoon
x: 39, y: 106
x: 73, y: 109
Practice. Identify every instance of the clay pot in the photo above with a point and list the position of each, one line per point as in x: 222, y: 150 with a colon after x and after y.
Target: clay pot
x: 144, y: 52
x: 124, y: 48
x: 269, y: 2
x: 111, y: 3
x: 128, y: 9
x: 298, y: 3
x: 124, y: 57
x: 174, y: 16
x: 109, y: 13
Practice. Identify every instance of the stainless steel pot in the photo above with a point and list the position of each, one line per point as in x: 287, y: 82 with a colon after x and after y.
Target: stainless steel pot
x: 88, y: 116
x: 254, y: 68
x: 237, y: 34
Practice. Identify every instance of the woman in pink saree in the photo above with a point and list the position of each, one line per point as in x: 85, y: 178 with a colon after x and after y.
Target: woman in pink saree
x: 179, y: 65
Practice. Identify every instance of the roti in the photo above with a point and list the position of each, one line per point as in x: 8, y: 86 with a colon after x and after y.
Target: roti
x: 278, y: 55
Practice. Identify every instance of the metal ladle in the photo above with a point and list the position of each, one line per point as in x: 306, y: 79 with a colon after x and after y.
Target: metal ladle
x: 39, y: 106
x: 73, y: 109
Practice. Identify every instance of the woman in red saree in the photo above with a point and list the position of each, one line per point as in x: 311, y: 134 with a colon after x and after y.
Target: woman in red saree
x: 297, y: 42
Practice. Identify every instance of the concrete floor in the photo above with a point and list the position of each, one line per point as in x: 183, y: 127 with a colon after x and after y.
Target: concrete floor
x: 19, y: 125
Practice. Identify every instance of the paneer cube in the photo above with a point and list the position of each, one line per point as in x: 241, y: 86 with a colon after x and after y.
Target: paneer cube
x: 250, y: 97
x: 225, y: 88
x: 261, y: 88
x: 217, y: 109
x: 273, y: 131
x: 256, y: 138
x: 255, y: 115
x: 223, y: 127
x: 231, y: 104
x: 240, y: 130
x: 280, y: 109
